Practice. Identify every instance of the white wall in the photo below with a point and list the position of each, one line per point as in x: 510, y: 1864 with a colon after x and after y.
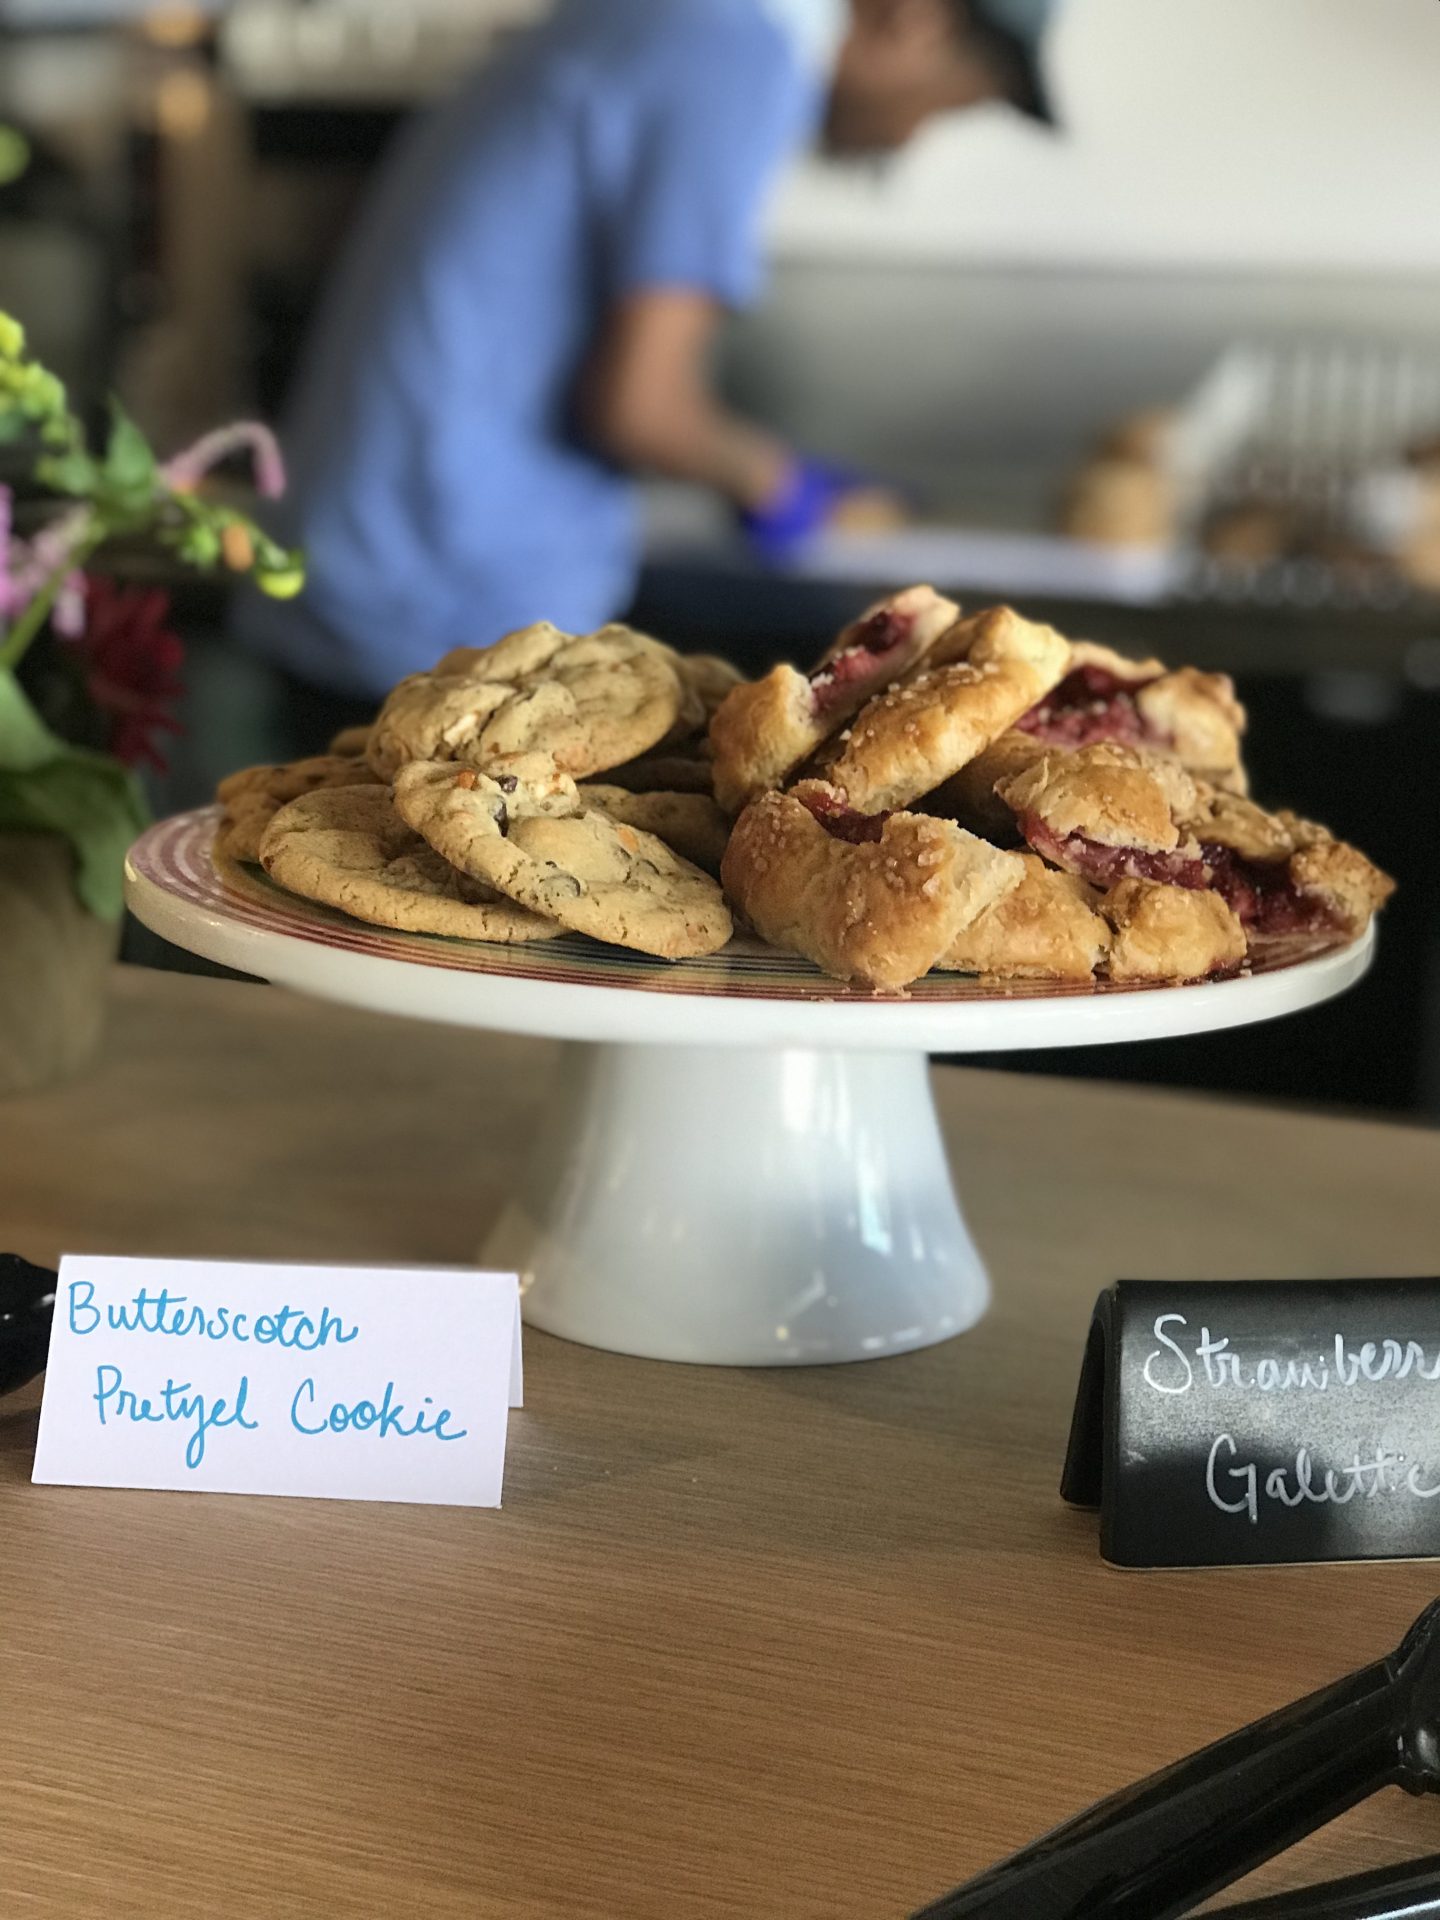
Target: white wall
x: 1268, y: 133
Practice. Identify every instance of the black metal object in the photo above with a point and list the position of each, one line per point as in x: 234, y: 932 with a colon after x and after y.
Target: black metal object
x: 1159, y: 1848
x: 1411, y: 1892
x: 27, y: 1306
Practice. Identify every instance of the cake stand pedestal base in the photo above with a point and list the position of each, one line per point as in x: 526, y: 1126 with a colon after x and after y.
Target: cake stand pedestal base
x: 741, y: 1208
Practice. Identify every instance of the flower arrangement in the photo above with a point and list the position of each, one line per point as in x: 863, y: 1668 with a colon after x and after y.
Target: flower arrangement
x: 103, y: 666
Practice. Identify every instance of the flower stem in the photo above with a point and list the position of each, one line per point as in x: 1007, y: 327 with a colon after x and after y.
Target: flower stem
x: 22, y: 634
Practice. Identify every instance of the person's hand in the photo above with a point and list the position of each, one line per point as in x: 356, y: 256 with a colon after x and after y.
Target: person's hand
x: 816, y: 495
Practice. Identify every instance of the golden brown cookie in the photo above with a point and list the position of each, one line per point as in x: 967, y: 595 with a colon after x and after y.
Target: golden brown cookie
x: 252, y: 797
x: 982, y: 675
x: 689, y: 823
x: 590, y: 701
x: 874, y: 901
x: 533, y: 842
x: 765, y: 729
x: 347, y: 848
x: 1169, y: 933
x: 1048, y: 928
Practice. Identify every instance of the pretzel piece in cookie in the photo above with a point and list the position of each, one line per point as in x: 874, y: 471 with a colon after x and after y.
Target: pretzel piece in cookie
x: 875, y: 901
x: 985, y: 673
x: 761, y: 732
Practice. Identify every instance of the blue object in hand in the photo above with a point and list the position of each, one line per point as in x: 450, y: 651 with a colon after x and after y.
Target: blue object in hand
x: 799, y: 510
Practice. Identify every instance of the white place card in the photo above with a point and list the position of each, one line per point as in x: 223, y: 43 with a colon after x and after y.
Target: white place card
x: 338, y: 1383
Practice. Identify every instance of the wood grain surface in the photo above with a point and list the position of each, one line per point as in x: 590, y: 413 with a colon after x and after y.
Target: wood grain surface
x: 803, y: 1644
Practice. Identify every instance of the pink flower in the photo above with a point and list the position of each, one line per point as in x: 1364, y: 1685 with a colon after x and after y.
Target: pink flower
x: 186, y: 470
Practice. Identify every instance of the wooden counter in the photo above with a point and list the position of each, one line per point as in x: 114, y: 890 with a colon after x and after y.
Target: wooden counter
x: 811, y: 1644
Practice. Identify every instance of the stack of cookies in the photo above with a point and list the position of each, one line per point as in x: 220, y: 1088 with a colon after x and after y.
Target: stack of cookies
x: 470, y: 809
x: 975, y: 794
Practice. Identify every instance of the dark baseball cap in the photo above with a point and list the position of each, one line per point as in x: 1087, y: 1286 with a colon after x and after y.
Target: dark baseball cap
x: 1024, y: 23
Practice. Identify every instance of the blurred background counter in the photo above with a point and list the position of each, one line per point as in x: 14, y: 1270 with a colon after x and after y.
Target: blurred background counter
x: 973, y: 323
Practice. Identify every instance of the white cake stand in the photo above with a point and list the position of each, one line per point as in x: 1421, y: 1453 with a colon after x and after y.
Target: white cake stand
x: 741, y: 1163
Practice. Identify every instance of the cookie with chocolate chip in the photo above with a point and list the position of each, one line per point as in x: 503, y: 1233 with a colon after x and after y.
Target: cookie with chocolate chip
x: 347, y: 848
x: 554, y: 856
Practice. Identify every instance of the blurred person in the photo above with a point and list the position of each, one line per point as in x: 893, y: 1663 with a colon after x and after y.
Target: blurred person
x: 525, y: 317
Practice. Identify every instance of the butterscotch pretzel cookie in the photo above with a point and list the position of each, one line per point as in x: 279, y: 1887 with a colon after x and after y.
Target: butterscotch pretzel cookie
x: 983, y: 674
x: 876, y: 901
x: 252, y: 797
x: 765, y: 729
x: 1169, y: 933
x: 690, y: 824
x: 1048, y: 928
x: 347, y: 848
x: 589, y: 701
x: 1138, y: 703
x: 579, y: 867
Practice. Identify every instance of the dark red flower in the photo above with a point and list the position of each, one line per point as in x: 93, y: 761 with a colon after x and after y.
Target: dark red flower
x: 131, y: 664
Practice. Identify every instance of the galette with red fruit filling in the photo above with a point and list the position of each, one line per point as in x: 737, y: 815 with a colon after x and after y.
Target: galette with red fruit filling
x: 1104, y: 697
x: 1110, y: 813
x: 764, y: 729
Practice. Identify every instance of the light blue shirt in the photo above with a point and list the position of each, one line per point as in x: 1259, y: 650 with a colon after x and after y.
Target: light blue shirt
x: 437, y: 481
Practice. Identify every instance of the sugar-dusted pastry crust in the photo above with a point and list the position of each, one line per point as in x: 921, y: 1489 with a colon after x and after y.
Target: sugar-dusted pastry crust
x: 969, y: 796
x: 691, y: 824
x: 1349, y: 887
x: 533, y: 841
x: 764, y: 730
x: 1046, y: 929
x: 1199, y: 718
x: 1169, y: 933
x: 347, y: 848
x: 878, y: 911
x: 252, y: 797
x: 979, y: 679
x: 590, y: 701
x: 1115, y: 795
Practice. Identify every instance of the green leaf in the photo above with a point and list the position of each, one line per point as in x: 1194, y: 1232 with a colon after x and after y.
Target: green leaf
x: 129, y: 462
x: 73, y: 472
x: 47, y: 786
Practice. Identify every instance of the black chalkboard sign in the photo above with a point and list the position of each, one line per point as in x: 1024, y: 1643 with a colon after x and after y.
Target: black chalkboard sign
x: 1246, y: 1422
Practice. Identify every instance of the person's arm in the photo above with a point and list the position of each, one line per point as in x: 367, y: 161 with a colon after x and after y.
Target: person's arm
x: 647, y: 403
